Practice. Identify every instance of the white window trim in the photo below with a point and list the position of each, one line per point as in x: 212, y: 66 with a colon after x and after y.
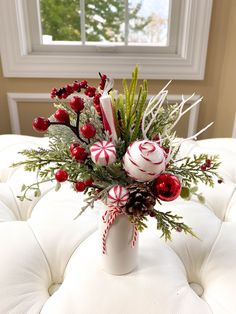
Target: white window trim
x: 188, y: 62
x: 14, y: 100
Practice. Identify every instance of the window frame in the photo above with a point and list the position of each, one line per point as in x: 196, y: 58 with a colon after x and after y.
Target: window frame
x: 186, y: 61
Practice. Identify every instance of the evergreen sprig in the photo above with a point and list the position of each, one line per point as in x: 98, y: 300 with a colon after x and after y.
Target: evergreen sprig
x: 189, y: 169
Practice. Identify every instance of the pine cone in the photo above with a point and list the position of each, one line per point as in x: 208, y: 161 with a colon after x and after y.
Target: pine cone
x: 141, y: 200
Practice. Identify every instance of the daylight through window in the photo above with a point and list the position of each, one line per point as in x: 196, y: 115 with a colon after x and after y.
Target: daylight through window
x: 113, y: 22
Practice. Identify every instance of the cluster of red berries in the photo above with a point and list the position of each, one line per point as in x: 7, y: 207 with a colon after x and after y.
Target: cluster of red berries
x: 103, y: 81
x: 206, y: 165
x: 62, y: 176
x: 64, y: 92
x: 96, y: 102
x: 88, y: 130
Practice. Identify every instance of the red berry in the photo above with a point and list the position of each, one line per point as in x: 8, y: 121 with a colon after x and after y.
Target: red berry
x: 208, y: 163
x: 88, y: 130
x: 79, y: 186
x: 73, y: 145
x: 53, y: 92
x: 83, y: 84
x: 40, y: 124
x: 156, y: 138
x: 77, y: 103
x: 76, y: 86
x: 103, y: 77
x: 88, y: 182
x: 203, y: 167
x: 61, y: 175
x: 79, y: 153
x: 96, y: 99
x: 69, y: 88
x: 90, y: 91
x: 64, y: 95
x: 102, y: 84
x: 62, y: 115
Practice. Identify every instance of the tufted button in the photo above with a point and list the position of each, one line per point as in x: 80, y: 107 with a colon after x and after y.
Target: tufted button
x: 53, y: 288
x: 197, y: 288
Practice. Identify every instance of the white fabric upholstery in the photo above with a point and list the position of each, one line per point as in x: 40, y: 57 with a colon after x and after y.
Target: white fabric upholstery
x: 49, y: 262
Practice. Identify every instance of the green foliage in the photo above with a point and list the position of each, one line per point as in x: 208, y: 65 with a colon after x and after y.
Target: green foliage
x: 190, y: 172
x: 129, y: 109
x: 61, y: 19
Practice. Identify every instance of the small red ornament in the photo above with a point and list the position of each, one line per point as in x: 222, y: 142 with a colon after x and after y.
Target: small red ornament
x: 88, y: 130
x: 61, y: 175
x: 77, y: 103
x: 62, y: 115
x: 40, y: 124
x: 203, y: 167
x: 78, y: 152
x: 167, y: 187
x: 79, y: 186
x: 88, y: 182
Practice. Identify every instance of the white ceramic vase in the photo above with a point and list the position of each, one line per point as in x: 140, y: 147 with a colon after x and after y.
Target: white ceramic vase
x: 120, y: 256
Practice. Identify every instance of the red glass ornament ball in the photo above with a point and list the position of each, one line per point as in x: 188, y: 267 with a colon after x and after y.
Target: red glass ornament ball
x: 40, y: 124
x: 167, y: 187
x: 62, y: 116
x: 79, y: 186
x: 78, y: 152
x: 61, y: 175
x: 77, y: 103
x: 88, y: 130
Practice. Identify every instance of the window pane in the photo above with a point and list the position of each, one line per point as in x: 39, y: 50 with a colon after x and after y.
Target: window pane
x: 104, y: 21
x: 60, y: 19
x: 152, y: 26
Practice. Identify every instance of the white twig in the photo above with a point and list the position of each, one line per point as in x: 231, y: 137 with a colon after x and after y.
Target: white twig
x: 198, y: 133
x: 153, y: 108
x: 182, y: 113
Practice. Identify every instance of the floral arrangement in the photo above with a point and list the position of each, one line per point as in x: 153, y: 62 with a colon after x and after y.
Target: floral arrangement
x: 120, y: 149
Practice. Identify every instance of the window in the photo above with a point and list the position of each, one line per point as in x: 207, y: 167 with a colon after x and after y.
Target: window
x: 91, y: 22
x: 168, y: 39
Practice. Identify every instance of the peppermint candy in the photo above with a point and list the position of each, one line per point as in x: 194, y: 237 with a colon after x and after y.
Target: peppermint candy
x: 117, y: 196
x: 103, y: 153
x: 144, y: 160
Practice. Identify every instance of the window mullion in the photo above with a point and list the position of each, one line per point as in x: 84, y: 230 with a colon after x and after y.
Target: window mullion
x: 126, y: 22
x: 82, y: 22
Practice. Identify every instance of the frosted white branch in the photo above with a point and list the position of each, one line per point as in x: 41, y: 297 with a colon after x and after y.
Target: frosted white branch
x: 197, y: 134
x: 153, y: 108
x: 181, y: 112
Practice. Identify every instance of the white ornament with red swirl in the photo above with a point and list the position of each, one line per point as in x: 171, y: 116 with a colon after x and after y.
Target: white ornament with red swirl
x: 144, y: 160
x: 103, y: 153
x: 117, y: 196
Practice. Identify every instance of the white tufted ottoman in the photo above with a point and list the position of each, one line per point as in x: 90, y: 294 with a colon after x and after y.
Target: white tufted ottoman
x: 49, y: 262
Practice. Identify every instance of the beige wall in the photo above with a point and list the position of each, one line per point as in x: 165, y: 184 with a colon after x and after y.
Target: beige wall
x: 218, y: 87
